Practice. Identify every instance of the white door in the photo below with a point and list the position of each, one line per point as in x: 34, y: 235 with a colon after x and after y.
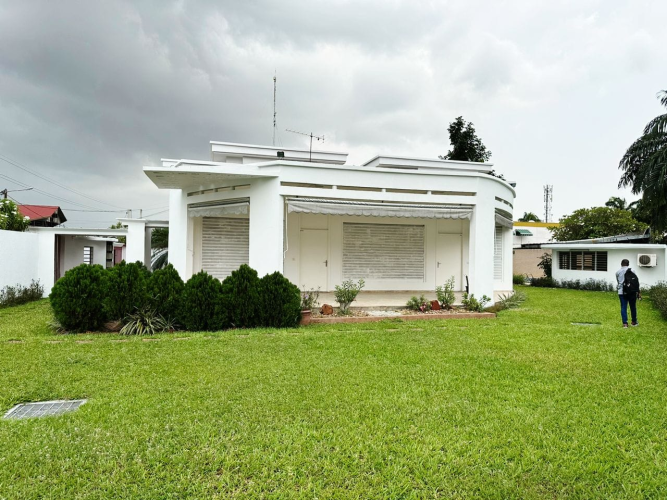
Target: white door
x: 314, y: 259
x: 449, y: 259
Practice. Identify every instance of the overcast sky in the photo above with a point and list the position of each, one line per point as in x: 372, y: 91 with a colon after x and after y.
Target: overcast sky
x: 91, y: 91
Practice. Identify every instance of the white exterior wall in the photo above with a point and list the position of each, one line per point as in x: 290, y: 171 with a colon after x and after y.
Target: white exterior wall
x: 540, y: 235
x: 25, y: 257
x: 72, y: 251
x: 648, y: 276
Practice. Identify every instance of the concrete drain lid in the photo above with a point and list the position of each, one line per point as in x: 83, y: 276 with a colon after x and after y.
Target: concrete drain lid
x: 43, y: 409
x: 585, y: 324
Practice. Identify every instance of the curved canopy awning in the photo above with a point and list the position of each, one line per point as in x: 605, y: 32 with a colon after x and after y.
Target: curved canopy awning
x: 377, y: 209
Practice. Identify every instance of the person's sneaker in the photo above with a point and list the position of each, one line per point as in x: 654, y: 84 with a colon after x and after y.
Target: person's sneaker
x: 635, y: 324
x: 625, y: 325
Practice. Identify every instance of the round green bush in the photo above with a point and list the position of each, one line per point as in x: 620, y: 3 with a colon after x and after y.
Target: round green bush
x: 201, y: 304
x: 279, y: 302
x: 165, y: 288
x: 125, y: 290
x: 77, y: 297
x: 241, y: 297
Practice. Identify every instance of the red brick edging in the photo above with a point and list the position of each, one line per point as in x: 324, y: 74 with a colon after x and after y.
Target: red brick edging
x: 403, y: 317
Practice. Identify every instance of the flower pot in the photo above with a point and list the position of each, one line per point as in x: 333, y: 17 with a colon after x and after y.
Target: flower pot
x: 305, y: 317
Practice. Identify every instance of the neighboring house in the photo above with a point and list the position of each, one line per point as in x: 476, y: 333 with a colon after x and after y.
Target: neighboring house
x: 43, y: 215
x: 399, y: 223
x: 528, y: 241
x: 600, y: 259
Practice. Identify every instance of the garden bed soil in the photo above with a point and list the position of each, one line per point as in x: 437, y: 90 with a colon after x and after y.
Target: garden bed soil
x: 410, y: 316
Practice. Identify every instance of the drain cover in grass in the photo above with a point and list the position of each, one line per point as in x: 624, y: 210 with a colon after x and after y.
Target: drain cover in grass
x: 586, y: 324
x: 43, y: 409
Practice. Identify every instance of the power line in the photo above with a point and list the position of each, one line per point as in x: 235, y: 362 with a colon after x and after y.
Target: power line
x: 26, y: 169
x: 46, y: 193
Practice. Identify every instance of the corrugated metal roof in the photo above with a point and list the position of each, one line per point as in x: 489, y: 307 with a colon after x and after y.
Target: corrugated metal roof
x: 36, y: 212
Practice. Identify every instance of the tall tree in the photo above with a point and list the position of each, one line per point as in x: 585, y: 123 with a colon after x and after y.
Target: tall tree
x: 529, y: 217
x: 620, y: 203
x: 10, y: 217
x: 596, y: 222
x: 466, y: 146
x: 644, y: 167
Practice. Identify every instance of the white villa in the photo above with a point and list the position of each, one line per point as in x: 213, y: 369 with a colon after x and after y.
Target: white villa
x: 401, y: 224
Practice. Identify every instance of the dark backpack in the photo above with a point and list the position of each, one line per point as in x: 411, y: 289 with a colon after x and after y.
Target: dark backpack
x: 631, y: 282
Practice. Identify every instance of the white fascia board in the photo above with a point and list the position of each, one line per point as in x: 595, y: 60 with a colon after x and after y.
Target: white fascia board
x: 269, y: 152
x: 77, y: 231
x: 404, y: 161
x: 604, y: 246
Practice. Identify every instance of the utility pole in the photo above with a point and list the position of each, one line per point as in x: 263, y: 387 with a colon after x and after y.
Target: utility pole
x: 4, y: 193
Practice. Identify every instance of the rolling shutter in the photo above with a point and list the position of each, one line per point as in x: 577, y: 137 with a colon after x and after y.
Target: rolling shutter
x: 224, y: 245
x: 383, y: 251
x: 498, y: 254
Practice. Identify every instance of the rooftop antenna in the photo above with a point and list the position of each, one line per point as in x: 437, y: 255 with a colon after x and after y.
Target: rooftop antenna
x: 274, y: 109
x: 548, y: 200
x: 318, y: 137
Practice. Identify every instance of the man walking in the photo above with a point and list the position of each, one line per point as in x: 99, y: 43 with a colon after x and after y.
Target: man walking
x: 628, y: 290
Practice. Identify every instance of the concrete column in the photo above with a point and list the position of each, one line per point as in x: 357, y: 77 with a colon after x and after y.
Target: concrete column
x: 136, y: 241
x: 267, y: 211
x: 482, y: 227
x: 178, y: 232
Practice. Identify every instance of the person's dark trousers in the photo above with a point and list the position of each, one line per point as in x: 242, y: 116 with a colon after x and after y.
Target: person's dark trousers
x: 632, y: 301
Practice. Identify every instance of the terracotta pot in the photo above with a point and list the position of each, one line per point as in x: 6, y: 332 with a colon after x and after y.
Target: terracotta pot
x: 305, y: 317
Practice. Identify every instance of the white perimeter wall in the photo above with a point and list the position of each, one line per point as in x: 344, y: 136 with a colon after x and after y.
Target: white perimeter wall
x: 72, y: 252
x: 648, y: 276
x: 25, y: 257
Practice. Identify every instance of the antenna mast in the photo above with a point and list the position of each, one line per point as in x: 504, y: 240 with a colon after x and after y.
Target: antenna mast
x: 274, y: 109
x: 318, y: 137
x: 548, y: 200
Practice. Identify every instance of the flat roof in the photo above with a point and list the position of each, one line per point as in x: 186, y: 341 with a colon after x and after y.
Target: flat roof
x: 604, y: 246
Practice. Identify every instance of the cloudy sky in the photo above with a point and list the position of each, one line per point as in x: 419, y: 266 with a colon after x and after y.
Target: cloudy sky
x: 91, y: 91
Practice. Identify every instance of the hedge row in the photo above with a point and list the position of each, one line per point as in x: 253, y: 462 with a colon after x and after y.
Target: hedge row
x: 589, y: 284
x: 658, y: 295
x: 88, y: 296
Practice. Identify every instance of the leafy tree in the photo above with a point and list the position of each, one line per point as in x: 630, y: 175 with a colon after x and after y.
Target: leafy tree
x: 596, y: 222
x: 644, y: 167
x: 118, y: 225
x: 466, y: 146
x: 160, y: 238
x: 620, y: 203
x: 10, y: 217
x: 529, y: 217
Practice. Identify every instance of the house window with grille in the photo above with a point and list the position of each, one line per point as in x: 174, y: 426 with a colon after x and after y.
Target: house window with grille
x: 582, y: 261
x: 498, y: 254
x: 87, y: 255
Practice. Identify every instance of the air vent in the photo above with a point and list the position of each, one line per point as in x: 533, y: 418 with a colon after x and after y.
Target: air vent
x: 281, y: 154
x: 647, y: 260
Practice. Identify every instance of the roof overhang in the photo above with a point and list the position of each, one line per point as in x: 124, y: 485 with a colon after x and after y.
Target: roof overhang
x: 79, y: 231
x: 201, y: 175
x: 221, y: 151
x: 602, y: 246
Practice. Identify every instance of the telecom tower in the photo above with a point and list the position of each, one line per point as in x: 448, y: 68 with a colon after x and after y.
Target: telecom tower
x: 548, y: 200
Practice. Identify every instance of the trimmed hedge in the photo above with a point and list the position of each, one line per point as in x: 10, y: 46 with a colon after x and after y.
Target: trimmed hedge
x: 164, y: 289
x: 592, y: 285
x: 241, y: 297
x: 202, y: 306
x: 658, y: 295
x: 77, y: 298
x: 280, y: 301
x: 125, y: 291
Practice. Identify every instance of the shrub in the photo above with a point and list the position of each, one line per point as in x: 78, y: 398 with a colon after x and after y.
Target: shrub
x: 510, y: 301
x: 240, y: 292
x: 77, y: 298
x: 347, y: 293
x: 202, y: 303
x: 10, y: 217
x: 544, y: 282
x: 164, y: 290
x: 590, y: 285
x: 280, y: 301
x: 309, y: 299
x: 545, y: 264
x: 445, y: 294
x: 518, y: 279
x: 419, y: 304
x: 470, y: 303
x: 144, y: 321
x: 19, y: 294
x: 125, y: 290
x: 658, y: 295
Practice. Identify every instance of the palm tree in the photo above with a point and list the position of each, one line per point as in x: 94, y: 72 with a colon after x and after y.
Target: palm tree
x: 644, y: 167
x: 529, y: 217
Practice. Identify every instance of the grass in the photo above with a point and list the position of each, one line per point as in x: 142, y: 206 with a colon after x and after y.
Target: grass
x: 524, y: 406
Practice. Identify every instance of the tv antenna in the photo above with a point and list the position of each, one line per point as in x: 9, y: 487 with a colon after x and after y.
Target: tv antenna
x: 548, y: 200
x: 274, y: 109
x: 312, y: 136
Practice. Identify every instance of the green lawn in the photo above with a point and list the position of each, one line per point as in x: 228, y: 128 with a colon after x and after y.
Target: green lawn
x: 524, y: 406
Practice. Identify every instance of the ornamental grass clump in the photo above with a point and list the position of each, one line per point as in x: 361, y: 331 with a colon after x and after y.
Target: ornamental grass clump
x: 144, y: 321
x: 77, y: 298
x: 240, y: 292
x: 164, y: 290
x: 125, y: 290
x: 202, y: 306
x: 347, y: 293
x: 279, y: 302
